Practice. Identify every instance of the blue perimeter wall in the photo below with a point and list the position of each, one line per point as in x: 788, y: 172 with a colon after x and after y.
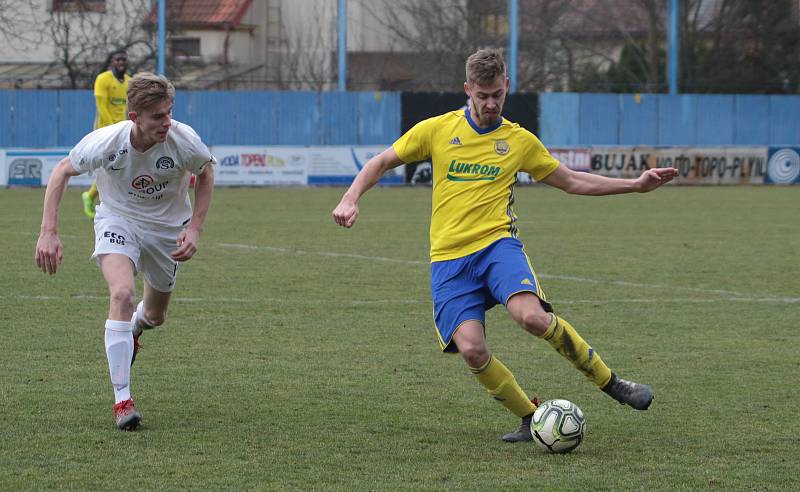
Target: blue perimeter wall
x: 30, y: 118
x: 38, y: 118
x: 569, y: 119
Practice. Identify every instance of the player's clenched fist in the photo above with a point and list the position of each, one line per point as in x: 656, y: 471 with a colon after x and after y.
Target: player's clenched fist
x: 346, y: 213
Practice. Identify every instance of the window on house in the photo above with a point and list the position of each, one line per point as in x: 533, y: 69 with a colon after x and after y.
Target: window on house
x: 79, y: 5
x: 496, y: 24
x: 185, y: 48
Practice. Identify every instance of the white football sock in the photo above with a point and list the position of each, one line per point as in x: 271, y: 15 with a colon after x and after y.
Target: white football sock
x: 119, y: 350
x: 139, y: 321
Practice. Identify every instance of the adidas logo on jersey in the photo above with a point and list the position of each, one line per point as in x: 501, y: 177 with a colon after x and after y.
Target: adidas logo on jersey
x: 526, y: 281
x: 455, y: 141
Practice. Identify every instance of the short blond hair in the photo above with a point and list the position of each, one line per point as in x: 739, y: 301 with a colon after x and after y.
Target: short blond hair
x: 484, y: 66
x: 146, y: 89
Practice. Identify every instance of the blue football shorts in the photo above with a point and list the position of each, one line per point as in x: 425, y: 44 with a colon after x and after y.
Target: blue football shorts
x: 465, y: 288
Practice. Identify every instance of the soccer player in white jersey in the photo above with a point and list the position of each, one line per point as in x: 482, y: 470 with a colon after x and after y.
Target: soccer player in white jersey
x: 144, y: 222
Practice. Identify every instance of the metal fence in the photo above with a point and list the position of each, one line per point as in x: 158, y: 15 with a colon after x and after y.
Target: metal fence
x: 30, y: 118
x: 660, y: 119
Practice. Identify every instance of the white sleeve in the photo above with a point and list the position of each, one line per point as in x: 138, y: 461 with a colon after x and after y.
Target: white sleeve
x: 198, y: 154
x: 84, y: 156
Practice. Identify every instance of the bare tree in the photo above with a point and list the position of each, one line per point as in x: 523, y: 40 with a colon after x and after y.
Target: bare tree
x: 17, y: 26
x: 726, y: 46
x: 548, y: 54
x: 306, y: 60
x: 613, y: 44
x: 294, y: 57
x: 83, y: 39
x: 433, y: 39
x: 740, y: 46
x: 559, y: 40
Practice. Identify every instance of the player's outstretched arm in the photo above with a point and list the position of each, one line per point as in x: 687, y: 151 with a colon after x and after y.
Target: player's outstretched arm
x: 581, y: 183
x: 346, y: 213
x: 189, y: 238
x: 49, y: 252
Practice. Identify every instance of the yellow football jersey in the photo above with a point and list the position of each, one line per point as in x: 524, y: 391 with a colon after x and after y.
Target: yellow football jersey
x: 474, y: 173
x: 112, y: 99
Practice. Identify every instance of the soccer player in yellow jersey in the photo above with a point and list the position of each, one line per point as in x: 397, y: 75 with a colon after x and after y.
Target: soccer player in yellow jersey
x: 476, y: 259
x: 111, y: 97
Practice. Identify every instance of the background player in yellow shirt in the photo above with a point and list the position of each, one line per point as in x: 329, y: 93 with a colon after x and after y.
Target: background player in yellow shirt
x: 476, y: 259
x: 111, y: 98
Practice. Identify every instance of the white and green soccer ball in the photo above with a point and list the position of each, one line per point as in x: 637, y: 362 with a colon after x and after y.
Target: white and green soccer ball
x: 558, y: 426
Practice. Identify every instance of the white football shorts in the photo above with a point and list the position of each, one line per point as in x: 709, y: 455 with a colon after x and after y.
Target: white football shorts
x: 148, y: 247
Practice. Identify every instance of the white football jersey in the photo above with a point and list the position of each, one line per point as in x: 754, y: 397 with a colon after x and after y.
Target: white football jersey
x: 147, y: 186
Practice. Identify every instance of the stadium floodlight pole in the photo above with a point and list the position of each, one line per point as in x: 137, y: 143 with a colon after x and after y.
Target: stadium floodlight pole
x: 162, y: 37
x: 342, y: 16
x: 513, y: 42
x: 674, y: 47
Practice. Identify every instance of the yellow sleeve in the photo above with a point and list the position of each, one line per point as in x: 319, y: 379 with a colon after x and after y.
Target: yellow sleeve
x: 102, y: 101
x: 415, y: 144
x: 537, y: 160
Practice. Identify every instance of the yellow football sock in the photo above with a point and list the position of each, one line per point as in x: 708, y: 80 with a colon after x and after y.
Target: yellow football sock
x: 93, y: 191
x: 503, y: 387
x: 563, y: 337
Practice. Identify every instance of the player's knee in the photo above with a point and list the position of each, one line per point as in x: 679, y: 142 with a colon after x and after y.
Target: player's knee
x: 535, y: 322
x: 475, y: 355
x: 122, y: 298
x: 155, y: 317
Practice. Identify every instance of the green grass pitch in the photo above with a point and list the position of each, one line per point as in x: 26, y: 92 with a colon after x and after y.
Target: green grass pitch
x: 299, y: 355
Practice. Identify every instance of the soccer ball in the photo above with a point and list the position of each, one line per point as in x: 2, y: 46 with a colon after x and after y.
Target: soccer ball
x: 558, y: 426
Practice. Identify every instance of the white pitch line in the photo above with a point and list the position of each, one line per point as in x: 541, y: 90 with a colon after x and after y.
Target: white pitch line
x: 324, y: 253
x: 18, y: 219
x: 105, y: 298
x: 622, y: 283
x: 361, y: 302
x: 36, y: 234
x: 625, y: 283
x: 786, y: 300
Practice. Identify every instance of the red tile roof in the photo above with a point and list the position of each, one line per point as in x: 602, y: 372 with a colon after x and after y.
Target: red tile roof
x: 203, y: 13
